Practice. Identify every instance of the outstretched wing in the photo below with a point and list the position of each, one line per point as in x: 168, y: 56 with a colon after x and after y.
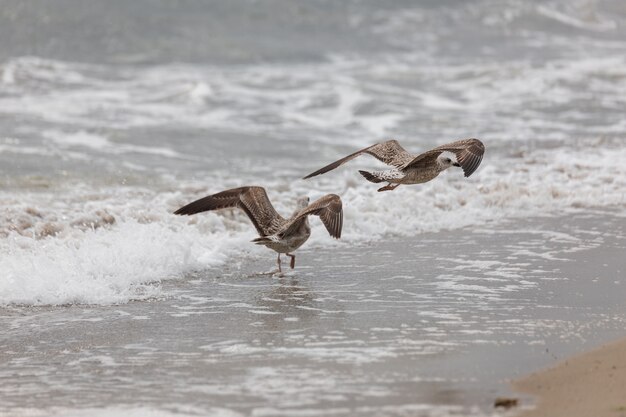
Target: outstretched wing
x: 328, y: 208
x: 389, y: 152
x: 469, y: 153
x: 252, y: 200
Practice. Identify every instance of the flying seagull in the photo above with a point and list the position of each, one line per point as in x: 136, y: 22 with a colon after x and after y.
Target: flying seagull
x: 277, y: 233
x: 414, y: 169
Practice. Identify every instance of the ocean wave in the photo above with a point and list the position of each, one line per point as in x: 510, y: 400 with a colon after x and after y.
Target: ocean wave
x: 347, y: 97
x: 118, y: 244
x: 110, y: 265
x: 581, y: 16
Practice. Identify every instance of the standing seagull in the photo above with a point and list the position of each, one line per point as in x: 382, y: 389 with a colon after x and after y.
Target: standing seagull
x: 414, y: 169
x: 277, y: 233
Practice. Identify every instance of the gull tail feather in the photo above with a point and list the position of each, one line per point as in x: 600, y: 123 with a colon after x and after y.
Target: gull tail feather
x: 263, y: 240
x: 371, y: 177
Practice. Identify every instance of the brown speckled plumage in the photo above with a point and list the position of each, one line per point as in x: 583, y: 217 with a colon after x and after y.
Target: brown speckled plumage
x: 414, y: 169
x: 277, y: 233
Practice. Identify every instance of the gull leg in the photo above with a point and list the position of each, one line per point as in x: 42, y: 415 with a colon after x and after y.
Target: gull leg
x: 278, y: 262
x: 292, y: 264
x: 388, y: 187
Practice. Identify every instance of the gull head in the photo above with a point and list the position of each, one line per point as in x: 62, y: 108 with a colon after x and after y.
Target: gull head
x: 302, y: 202
x: 447, y: 160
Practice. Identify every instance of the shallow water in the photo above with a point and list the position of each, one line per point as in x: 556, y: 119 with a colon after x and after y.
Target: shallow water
x: 411, y: 327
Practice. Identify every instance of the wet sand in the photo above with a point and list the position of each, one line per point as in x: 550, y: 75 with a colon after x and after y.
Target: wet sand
x: 431, y: 326
x: 590, y: 384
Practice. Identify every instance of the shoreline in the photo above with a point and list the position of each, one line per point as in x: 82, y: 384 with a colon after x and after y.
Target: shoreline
x: 592, y: 383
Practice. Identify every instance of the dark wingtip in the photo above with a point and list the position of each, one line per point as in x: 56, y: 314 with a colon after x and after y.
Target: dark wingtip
x: 340, y: 221
x: 314, y: 174
x: 472, y: 157
x: 478, y: 142
x: 191, y: 208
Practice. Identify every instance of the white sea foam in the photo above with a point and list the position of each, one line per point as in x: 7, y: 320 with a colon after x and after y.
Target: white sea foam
x: 586, y: 19
x: 101, y: 266
x: 349, y: 98
x: 80, y: 138
x: 103, y: 144
x: 113, y: 246
x: 67, y: 239
x: 57, y: 256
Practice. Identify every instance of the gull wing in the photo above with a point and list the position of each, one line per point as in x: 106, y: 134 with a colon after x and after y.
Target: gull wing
x: 469, y: 153
x: 252, y: 200
x: 389, y: 152
x: 328, y: 208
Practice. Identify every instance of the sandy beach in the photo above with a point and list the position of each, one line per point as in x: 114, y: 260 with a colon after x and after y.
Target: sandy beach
x: 590, y: 384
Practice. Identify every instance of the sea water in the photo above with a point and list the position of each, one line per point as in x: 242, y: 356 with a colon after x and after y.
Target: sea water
x: 113, y: 115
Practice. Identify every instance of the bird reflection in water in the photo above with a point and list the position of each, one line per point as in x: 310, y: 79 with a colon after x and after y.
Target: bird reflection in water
x: 289, y: 301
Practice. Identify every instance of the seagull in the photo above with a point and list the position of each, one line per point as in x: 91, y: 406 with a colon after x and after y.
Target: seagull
x: 277, y: 233
x: 414, y: 169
